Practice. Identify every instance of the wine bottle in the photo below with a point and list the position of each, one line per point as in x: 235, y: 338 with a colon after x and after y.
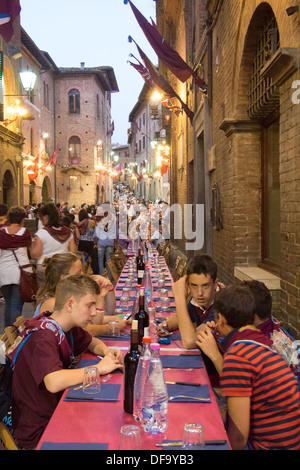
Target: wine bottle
x: 142, y: 317
x: 140, y: 267
x: 130, y: 365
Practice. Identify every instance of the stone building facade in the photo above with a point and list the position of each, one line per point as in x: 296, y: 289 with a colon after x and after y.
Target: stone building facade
x: 241, y: 156
x: 68, y: 109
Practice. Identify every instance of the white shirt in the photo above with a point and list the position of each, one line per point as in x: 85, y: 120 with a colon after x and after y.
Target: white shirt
x: 9, y: 268
x: 50, y: 245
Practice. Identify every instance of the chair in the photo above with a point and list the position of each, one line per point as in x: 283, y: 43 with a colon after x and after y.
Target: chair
x: 166, y: 254
x: 13, y: 330
x: 178, y: 263
x: 118, y: 261
x: 113, y: 270
x: 7, y: 438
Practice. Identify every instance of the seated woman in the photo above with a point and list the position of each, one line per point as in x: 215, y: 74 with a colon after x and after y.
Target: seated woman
x: 66, y: 264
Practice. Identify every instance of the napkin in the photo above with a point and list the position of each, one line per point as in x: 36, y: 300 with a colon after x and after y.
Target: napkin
x: 182, y: 362
x: 74, y: 446
x: 168, y: 287
x: 108, y: 392
x: 118, y: 297
x: 175, y: 336
x: 122, y: 337
x: 207, y: 447
x: 188, y: 391
x: 169, y: 309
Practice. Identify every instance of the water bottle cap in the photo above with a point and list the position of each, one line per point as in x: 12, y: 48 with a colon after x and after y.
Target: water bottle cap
x: 147, y: 339
x: 155, y: 346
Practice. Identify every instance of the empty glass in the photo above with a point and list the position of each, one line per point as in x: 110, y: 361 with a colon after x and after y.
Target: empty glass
x: 128, y: 282
x: 124, y: 302
x: 165, y: 303
x: 193, y: 436
x: 130, y: 438
x: 114, y: 329
x: 91, y: 380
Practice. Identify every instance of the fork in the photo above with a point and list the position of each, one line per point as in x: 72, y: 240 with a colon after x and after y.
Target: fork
x: 179, y: 368
x: 185, y: 396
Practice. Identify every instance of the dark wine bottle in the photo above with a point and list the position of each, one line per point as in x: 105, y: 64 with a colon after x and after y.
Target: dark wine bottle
x: 130, y: 365
x: 142, y: 317
x: 140, y: 267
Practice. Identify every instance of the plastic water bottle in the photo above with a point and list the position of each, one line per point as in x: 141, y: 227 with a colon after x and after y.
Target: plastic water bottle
x: 155, y: 397
x: 141, y: 378
x: 147, y: 284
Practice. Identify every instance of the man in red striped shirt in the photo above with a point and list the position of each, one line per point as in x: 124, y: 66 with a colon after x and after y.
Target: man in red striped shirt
x: 261, y: 390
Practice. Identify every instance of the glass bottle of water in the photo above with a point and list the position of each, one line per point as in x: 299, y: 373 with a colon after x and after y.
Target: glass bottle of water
x: 147, y: 284
x: 141, y: 378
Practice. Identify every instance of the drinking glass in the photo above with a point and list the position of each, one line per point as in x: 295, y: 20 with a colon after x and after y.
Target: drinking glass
x: 91, y: 380
x: 126, y: 292
x: 165, y: 303
x: 124, y: 301
x: 164, y: 293
x: 161, y: 282
x: 128, y: 282
x: 152, y: 311
x: 193, y: 436
x: 118, y: 311
x: 130, y: 438
x: 114, y: 329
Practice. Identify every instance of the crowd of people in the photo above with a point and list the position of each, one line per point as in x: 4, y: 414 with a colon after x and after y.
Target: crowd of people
x: 247, y: 353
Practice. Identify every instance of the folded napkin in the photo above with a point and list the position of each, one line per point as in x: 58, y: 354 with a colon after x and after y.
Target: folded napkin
x: 118, y: 296
x: 169, y: 309
x: 122, y: 337
x: 108, y: 392
x: 182, y: 362
x: 175, y: 336
x: 189, y: 392
x: 168, y: 287
x: 74, y: 446
x: 87, y: 362
x: 207, y: 446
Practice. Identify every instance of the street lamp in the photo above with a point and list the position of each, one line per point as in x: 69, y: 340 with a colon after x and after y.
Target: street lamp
x: 28, y: 79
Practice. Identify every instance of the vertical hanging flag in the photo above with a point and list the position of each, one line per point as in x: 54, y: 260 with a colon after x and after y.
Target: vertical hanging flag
x: 165, y: 52
x: 9, y: 10
x: 162, y: 84
x: 112, y: 128
x: 53, y: 159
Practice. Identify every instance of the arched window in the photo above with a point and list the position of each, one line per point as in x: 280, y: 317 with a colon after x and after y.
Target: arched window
x: 74, y: 102
x: 74, y: 147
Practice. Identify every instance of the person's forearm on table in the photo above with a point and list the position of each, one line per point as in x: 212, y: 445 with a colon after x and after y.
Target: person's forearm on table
x: 186, y: 327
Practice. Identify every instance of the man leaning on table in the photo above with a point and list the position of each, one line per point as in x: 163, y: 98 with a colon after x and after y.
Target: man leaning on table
x: 43, y: 369
x: 200, y: 284
x: 261, y: 390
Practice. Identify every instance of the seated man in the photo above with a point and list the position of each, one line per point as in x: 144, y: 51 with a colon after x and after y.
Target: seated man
x: 261, y: 390
x: 201, y: 283
x: 43, y: 369
x: 269, y: 326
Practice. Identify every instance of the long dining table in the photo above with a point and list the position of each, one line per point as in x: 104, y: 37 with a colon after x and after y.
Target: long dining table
x: 80, y: 422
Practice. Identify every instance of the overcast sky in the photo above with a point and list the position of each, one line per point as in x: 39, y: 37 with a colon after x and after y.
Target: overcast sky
x: 95, y: 32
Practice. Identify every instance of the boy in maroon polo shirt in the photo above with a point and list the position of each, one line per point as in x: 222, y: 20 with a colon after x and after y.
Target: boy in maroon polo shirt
x: 261, y: 390
x: 43, y: 369
x: 200, y: 284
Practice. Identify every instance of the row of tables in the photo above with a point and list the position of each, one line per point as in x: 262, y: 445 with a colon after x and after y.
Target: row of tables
x: 78, y: 423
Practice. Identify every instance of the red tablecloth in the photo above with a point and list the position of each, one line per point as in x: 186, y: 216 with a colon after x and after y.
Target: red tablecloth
x: 100, y: 422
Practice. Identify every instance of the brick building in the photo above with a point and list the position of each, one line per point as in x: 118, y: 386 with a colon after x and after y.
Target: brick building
x: 150, y: 126
x: 83, y: 120
x: 241, y: 156
x: 68, y: 109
